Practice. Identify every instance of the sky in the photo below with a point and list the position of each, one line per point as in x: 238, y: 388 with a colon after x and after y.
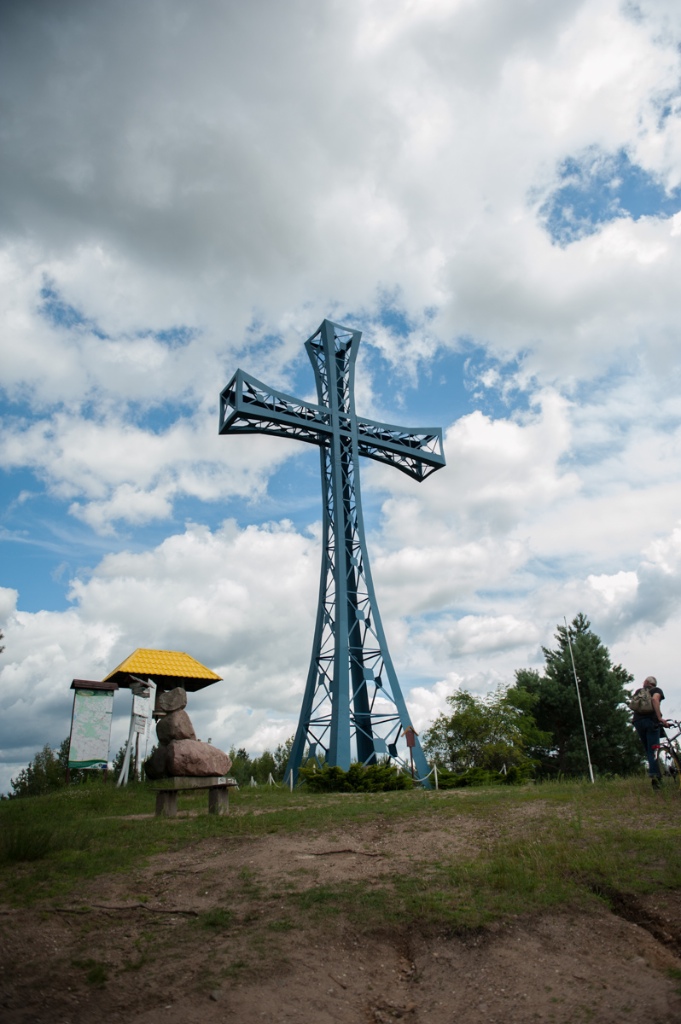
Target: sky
x: 490, y: 190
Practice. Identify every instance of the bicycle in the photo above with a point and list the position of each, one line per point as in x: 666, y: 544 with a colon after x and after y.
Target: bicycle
x: 669, y: 756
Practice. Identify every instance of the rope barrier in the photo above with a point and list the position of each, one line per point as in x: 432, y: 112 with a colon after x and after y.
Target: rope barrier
x: 270, y: 781
x: 289, y: 783
x: 433, y: 771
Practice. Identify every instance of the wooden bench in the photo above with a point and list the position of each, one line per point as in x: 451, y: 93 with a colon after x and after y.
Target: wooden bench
x: 218, y: 787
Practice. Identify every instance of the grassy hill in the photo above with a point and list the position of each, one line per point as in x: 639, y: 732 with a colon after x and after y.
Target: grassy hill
x: 555, y: 902
x: 540, y: 845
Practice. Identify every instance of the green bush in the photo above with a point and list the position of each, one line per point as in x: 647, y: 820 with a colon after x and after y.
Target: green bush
x: 359, y: 778
x: 515, y: 776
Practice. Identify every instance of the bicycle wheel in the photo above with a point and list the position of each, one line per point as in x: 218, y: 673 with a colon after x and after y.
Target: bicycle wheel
x: 669, y: 766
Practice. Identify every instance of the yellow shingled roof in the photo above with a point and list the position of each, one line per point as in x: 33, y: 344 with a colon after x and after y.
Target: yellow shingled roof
x: 144, y: 661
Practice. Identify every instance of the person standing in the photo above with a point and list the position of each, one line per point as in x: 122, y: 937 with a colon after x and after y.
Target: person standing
x: 648, y: 722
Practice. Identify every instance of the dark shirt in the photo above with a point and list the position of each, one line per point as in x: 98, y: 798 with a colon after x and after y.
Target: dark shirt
x: 638, y: 716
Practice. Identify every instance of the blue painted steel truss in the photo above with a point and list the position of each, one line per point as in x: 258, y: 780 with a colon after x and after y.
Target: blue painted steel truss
x: 353, y: 708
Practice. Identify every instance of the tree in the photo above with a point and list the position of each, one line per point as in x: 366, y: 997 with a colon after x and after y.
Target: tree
x: 45, y: 773
x: 242, y: 766
x: 613, y: 745
x: 281, y: 756
x: 117, y: 765
x: 2, y: 637
x: 263, y: 766
x: 118, y: 761
x: 491, y: 733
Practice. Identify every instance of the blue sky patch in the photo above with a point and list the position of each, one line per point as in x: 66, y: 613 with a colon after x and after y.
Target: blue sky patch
x: 597, y: 187
x: 174, y: 337
x: 41, y: 546
x: 62, y: 314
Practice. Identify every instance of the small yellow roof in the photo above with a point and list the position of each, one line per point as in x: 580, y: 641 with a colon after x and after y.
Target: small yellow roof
x: 164, y: 667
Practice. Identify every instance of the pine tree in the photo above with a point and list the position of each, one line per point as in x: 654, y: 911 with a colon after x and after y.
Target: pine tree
x: 613, y: 745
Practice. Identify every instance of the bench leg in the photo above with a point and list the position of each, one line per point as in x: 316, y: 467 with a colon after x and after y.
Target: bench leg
x: 166, y: 804
x: 218, y: 800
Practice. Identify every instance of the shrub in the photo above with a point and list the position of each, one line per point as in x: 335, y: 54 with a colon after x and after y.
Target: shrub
x: 515, y: 776
x: 359, y: 778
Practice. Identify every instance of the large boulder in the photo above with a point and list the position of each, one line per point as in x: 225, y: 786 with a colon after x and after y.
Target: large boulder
x: 172, y: 700
x: 175, y: 726
x: 155, y: 766
x: 194, y: 758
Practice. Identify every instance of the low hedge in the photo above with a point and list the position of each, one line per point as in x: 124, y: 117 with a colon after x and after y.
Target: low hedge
x: 359, y: 778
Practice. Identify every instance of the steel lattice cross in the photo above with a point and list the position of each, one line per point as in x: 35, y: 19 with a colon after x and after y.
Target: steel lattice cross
x: 352, y: 701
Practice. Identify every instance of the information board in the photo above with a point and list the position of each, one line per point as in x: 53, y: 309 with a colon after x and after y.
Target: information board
x: 91, y: 728
x: 141, y: 706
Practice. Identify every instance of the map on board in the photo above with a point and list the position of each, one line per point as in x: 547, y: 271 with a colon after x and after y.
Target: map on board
x: 91, y: 728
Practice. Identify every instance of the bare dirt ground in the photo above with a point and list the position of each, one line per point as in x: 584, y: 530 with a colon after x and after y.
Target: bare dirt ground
x: 140, y: 948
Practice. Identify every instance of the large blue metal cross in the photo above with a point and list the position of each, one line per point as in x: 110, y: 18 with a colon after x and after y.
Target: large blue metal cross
x: 353, y: 708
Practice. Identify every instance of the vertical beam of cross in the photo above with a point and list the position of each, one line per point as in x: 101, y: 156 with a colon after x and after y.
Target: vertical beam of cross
x: 352, y: 697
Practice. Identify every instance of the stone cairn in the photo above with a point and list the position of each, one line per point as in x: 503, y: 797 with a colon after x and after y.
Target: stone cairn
x: 179, y: 754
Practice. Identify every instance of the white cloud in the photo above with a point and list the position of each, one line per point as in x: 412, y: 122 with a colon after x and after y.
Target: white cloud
x: 497, y: 470
x: 117, y: 471
x: 427, y: 702
x: 206, y: 184
x: 224, y: 590
x: 613, y: 589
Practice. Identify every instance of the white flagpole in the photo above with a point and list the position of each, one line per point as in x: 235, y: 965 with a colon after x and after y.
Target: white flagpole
x: 579, y: 700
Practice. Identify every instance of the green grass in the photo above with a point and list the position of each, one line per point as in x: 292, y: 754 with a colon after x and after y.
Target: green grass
x: 577, y: 843
x: 96, y: 972
x: 20, y: 844
x: 217, y: 919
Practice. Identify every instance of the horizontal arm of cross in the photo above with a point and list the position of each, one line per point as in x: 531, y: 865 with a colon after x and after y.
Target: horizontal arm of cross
x: 247, y: 406
x: 417, y: 452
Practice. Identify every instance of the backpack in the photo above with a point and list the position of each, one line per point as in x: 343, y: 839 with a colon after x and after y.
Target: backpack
x: 641, y: 702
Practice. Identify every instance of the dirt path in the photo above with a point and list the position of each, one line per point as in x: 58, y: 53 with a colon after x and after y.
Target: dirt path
x: 208, y: 935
